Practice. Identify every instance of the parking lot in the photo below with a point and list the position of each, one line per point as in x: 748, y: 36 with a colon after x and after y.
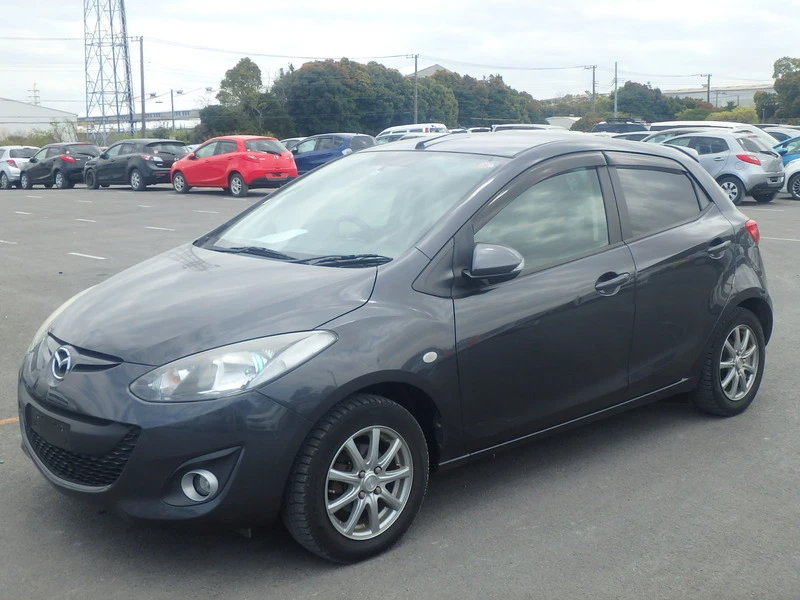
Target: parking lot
x: 659, y: 502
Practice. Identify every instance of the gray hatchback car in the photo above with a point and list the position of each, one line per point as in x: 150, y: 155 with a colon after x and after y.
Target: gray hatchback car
x: 741, y: 164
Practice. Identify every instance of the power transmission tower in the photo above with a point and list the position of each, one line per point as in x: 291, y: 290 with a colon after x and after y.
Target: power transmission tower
x: 109, y: 89
x: 34, y: 96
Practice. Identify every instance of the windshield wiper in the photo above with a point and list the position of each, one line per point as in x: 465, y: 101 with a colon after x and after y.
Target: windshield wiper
x: 346, y: 260
x: 254, y: 250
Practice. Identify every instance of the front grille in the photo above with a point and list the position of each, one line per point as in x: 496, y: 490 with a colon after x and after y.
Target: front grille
x: 84, y: 469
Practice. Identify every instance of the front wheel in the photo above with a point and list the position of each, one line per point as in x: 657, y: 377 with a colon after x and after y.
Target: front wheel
x: 764, y: 197
x: 5, y: 184
x: 733, y: 188
x: 91, y: 180
x: 359, y: 480
x: 25, y: 182
x: 137, y: 180
x: 733, y: 366
x: 179, y: 183
x: 238, y: 186
x: 794, y: 186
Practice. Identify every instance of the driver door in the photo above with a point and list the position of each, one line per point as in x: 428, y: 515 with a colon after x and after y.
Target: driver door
x: 197, y: 171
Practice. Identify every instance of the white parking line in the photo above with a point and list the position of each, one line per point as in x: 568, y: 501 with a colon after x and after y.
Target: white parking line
x: 87, y: 256
x: 7, y: 242
x: 86, y: 220
x: 210, y: 212
x: 19, y: 212
x: 159, y: 228
x: 768, y: 209
x: 85, y: 201
x: 143, y: 205
x: 38, y: 197
x: 780, y: 239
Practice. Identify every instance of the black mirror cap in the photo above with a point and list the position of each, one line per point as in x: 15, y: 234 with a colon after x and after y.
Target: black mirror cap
x: 494, y: 263
x: 293, y: 150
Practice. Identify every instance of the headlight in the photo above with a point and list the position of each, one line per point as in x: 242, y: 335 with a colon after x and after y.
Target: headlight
x: 230, y: 369
x: 49, y: 320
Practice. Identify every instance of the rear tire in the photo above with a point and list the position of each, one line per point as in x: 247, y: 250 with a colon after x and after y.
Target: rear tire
x: 25, y: 182
x: 91, y: 180
x: 136, y: 180
x: 238, y: 186
x: 5, y: 184
x: 733, y: 367
x: 61, y: 181
x: 179, y: 183
x: 764, y: 197
x: 794, y: 186
x: 733, y: 188
x: 358, y: 481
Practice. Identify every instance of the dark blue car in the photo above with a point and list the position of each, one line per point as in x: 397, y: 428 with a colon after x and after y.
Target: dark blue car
x: 319, y: 149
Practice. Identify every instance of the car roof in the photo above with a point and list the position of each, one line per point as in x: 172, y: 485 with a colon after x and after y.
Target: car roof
x: 341, y: 134
x: 510, y: 144
x: 715, y: 132
x: 148, y: 141
x: 242, y: 137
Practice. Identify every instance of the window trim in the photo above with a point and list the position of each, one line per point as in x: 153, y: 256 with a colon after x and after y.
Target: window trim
x: 465, y: 237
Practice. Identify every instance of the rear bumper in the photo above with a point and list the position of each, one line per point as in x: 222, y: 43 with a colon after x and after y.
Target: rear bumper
x: 270, y: 182
x: 769, y: 182
x: 156, y: 175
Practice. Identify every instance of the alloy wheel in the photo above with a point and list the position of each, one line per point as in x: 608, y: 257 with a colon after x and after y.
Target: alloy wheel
x: 738, y: 365
x: 59, y: 179
x: 731, y: 189
x: 369, y: 483
x: 236, y: 186
x: 4, y: 185
x: 794, y: 188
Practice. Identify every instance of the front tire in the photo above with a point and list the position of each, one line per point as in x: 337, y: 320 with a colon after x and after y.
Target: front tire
x: 733, y: 188
x: 5, y: 184
x: 794, y: 186
x: 91, y: 180
x: 733, y: 367
x: 764, y: 197
x: 25, y: 182
x: 238, y: 186
x: 358, y: 481
x: 179, y: 183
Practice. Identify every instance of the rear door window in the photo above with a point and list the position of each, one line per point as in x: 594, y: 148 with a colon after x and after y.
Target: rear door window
x: 657, y: 199
x: 127, y: 148
x: 361, y: 141
x: 709, y: 145
x: 226, y: 147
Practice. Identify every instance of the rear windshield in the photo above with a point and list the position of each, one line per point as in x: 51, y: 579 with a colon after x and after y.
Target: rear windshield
x: 753, y: 144
x: 86, y: 149
x: 268, y: 146
x: 361, y: 141
x: 168, y: 148
x: 21, y: 152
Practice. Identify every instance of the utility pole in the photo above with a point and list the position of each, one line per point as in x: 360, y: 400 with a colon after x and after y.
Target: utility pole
x: 615, y: 89
x: 594, y: 85
x: 172, y: 109
x: 707, y: 86
x: 416, y: 81
x: 140, y: 39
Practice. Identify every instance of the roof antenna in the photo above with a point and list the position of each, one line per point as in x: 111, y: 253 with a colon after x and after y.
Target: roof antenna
x: 421, y: 144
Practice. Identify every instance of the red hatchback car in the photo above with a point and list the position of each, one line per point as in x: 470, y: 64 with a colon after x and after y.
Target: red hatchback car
x: 236, y: 163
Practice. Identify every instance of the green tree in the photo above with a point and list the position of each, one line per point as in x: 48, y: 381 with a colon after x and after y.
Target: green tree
x: 242, y: 85
x: 740, y: 114
x: 766, y: 105
x: 693, y: 114
x: 787, y: 87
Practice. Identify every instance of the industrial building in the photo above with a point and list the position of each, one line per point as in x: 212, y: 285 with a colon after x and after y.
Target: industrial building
x: 21, y: 118
x: 740, y: 95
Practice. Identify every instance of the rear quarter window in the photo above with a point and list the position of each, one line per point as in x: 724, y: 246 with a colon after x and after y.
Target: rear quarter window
x: 361, y: 141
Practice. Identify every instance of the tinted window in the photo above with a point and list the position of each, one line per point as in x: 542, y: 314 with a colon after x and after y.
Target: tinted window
x: 554, y: 220
x: 85, y: 149
x: 226, y: 147
x: 709, y: 145
x: 361, y: 141
x: 752, y: 144
x: 127, y: 148
x: 791, y: 147
x: 657, y: 200
x: 114, y: 150
x: 54, y: 151
x: 329, y: 143
x: 168, y: 148
x: 307, y: 146
x: 41, y: 154
x: 269, y: 146
x: 21, y: 152
x: 206, y: 150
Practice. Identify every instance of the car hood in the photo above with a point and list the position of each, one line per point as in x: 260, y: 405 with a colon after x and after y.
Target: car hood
x: 189, y: 299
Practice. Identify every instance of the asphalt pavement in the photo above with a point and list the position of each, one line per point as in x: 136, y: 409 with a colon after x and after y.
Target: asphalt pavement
x: 659, y: 502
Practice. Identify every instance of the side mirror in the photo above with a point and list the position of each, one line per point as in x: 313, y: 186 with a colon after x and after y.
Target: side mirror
x: 33, y: 160
x: 191, y: 156
x: 294, y: 150
x: 494, y: 263
x: 103, y: 156
x: 782, y: 151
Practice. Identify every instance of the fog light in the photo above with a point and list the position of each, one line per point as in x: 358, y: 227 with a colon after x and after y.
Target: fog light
x: 199, y: 485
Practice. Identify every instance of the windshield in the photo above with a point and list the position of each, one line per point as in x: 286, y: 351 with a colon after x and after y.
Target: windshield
x: 379, y: 203
x: 84, y: 149
x: 268, y: 146
x: 22, y: 152
x: 177, y: 149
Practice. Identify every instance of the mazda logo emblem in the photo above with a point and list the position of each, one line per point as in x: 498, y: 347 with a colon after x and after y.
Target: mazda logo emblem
x: 61, y: 363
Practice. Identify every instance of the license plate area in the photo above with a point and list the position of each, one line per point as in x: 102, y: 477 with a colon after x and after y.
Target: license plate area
x: 51, y: 430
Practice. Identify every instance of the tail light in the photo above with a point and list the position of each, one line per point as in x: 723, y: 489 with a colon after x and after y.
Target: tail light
x: 68, y: 158
x: 151, y: 158
x: 12, y: 163
x: 752, y: 229
x: 749, y: 158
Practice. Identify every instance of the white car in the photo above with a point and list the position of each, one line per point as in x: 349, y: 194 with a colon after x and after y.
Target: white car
x: 11, y: 160
x: 792, y: 185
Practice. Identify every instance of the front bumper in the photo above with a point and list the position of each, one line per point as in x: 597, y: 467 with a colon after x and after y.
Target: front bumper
x: 91, y: 438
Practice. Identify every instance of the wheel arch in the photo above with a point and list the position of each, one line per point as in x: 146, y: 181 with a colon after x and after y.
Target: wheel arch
x: 763, y: 312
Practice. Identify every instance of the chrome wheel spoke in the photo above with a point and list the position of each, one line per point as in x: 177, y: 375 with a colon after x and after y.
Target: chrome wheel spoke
x: 355, y: 455
x: 355, y: 516
x: 374, y: 514
x: 348, y: 478
x: 728, y: 364
x: 342, y: 501
x: 392, y: 501
x: 397, y: 474
x: 389, y: 455
x: 374, y: 448
x: 727, y: 379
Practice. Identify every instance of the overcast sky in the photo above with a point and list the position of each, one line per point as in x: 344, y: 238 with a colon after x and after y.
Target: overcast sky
x: 668, y: 44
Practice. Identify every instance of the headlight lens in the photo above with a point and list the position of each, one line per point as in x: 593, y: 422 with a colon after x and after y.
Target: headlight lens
x: 49, y: 320
x: 230, y: 369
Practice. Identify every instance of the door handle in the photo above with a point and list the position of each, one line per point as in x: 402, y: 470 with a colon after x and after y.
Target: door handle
x: 608, y: 284
x: 719, y: 159
x: 716, y: 250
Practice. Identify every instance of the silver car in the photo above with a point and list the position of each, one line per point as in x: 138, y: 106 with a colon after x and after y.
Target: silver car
x: 11, y: 160
x: 741, y: 164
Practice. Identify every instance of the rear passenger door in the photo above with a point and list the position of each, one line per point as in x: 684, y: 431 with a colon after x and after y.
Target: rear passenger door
x: 681, y: 246
x: 714, y: 152
x: 119, y: 164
